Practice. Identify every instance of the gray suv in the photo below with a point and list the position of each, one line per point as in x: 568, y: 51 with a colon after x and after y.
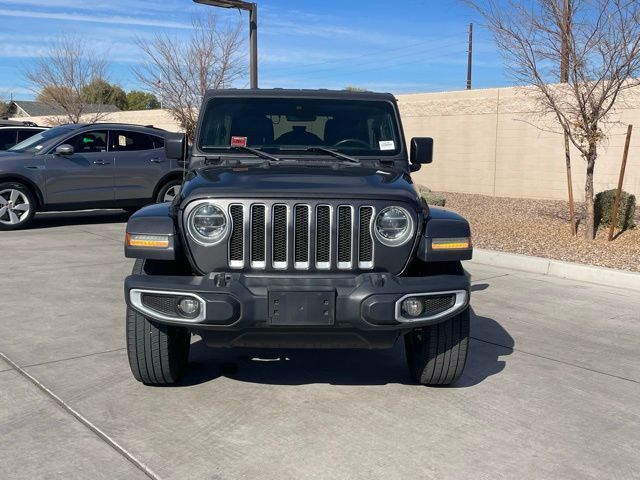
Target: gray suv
x: 75, y: 167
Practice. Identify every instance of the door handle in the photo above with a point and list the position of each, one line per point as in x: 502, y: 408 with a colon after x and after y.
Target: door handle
x: 100, y: 162
x: 157, y: 160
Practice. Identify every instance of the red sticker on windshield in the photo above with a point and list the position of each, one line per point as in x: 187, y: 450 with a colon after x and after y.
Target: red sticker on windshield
x: 238, y: 141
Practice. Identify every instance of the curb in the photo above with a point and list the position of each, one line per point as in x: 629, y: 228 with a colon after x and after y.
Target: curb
x: 556, y: 268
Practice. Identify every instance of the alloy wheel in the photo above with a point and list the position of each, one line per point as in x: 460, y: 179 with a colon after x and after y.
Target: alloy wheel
x: 171, y: 193
x: 14, y: 206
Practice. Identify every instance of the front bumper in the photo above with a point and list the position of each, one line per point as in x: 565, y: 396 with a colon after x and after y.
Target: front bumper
x: 235, y: 302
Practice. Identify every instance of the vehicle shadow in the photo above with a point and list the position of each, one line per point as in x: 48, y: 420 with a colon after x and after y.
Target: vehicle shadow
x: 85, y: 217
x: 343, y: 367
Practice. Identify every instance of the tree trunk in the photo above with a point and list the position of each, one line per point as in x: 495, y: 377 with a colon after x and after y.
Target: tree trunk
x: 590, y: 231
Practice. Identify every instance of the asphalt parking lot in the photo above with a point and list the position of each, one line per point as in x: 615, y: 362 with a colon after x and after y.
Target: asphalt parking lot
x: 551, y: 389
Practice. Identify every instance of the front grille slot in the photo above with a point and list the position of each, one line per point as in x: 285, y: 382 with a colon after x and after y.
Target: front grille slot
x: 344, y: 237
x: 280, y: 238
x: 258, y: 236
x: 323, y: 237
x: 301, y: 249
x: 365, y: 247
x: 301, y: 236
x: 236, y: 243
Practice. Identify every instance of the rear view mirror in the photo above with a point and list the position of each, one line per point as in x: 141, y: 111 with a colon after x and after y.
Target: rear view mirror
x: 421, y: 152
x: 64, y: 149
x: 174, y: 146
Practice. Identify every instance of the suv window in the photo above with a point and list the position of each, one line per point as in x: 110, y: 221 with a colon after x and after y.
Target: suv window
x: 7, y: 138
x: 125, y: 141
x: 93, y: 141
x: 158, y: 142
x: 25, y: 133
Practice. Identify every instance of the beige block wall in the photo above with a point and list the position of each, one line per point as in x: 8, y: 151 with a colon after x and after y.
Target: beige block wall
x: 157, y: 118
x: 485, y: 143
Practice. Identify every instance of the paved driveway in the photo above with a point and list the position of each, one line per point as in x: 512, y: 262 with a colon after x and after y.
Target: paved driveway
x: 551, y: 388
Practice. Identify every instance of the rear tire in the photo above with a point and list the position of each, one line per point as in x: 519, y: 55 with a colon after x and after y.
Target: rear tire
x: 436, y: 355
x: 17, y: 206
x: 169, y: 191
x: 158, y: 353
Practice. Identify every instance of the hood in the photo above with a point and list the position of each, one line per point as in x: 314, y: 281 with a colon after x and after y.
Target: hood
x: 300, y: 181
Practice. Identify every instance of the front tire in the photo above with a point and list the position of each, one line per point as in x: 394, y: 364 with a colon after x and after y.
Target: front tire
x: 17, y: 206
x: 437, y: 354
x: 158, y: 353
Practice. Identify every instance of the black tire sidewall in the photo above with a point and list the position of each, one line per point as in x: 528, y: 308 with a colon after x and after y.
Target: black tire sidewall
x: 170, y: 347
x: 32, y: 201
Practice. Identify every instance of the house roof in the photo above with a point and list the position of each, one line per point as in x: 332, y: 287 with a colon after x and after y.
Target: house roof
x: 39, y: 109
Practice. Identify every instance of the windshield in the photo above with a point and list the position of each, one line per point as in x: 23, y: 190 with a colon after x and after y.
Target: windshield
x: 354, y: 127
x: 35, y: 143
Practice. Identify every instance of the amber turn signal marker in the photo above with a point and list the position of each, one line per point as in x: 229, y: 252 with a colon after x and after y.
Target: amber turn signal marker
x: 147, y: 241
x: 451, y: 243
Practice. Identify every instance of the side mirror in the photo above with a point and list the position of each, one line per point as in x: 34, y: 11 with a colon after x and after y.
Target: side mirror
x: 64, y: 150
x: 421, y: 152
x: 174, y: 146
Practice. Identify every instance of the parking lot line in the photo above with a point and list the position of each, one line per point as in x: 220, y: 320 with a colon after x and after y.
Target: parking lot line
x: 82, y: 419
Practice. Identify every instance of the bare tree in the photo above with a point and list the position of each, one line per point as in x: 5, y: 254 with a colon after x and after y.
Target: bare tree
x: 62, y: 76
x: 602, y: 55
x: 181, y: 71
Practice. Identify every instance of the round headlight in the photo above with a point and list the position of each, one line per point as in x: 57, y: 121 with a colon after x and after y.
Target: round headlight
x: 394, y: 226
x: 208, y: 224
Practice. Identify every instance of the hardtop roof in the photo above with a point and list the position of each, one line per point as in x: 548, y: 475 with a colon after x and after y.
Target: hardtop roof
x: 298, y: 93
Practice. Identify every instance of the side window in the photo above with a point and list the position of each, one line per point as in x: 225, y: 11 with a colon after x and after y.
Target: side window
x: 123, y: 141
x: 158, y: 142
x: 94, y: 141
x: 26, y: 133
x: 7, y: 138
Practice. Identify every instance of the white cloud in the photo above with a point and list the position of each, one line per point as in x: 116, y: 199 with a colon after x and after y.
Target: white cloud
x: 113, y: 5
x: 110, y: 20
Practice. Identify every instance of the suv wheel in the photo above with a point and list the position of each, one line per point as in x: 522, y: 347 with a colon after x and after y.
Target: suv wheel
x: 437, y: 354
x: 169, y: 191
x: 17, y: 206
x: 158, y: 353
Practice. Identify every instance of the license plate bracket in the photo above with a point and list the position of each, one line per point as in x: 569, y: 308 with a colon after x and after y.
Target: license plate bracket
x: 297, y: 307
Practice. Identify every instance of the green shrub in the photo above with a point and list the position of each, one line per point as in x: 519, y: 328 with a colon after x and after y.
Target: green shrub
x: 430, y: 197
x: 604, y: 209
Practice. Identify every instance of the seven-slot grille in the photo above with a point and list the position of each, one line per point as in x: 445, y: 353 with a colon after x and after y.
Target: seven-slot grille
x: 301, y: 236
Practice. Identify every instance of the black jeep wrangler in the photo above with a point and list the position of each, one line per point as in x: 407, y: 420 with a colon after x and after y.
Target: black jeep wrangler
x: 298, y: 226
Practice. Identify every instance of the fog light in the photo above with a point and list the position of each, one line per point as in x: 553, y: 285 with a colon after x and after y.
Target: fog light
x: 189, y: 306
x: 413, y: 307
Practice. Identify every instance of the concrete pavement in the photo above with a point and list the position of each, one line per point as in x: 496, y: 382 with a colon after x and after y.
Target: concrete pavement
x: 551, y: 388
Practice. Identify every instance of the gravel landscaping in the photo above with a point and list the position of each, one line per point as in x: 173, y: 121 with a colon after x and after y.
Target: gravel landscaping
x: 541, y: 228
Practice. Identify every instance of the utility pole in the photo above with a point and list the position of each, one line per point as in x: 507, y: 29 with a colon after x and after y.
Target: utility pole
x: 564, y: 78
x: 252, y: 8
x: 470, y: 56
x: 253, y: 39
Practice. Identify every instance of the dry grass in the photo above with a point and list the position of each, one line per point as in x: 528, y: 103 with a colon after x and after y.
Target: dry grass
x: 541, y: 228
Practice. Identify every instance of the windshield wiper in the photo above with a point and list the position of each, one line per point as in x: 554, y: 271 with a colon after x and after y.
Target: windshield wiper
x: 328, y: 151
x: 256, y: 152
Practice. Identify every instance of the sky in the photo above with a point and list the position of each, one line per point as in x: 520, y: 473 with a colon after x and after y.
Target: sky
x: 402, y: 46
